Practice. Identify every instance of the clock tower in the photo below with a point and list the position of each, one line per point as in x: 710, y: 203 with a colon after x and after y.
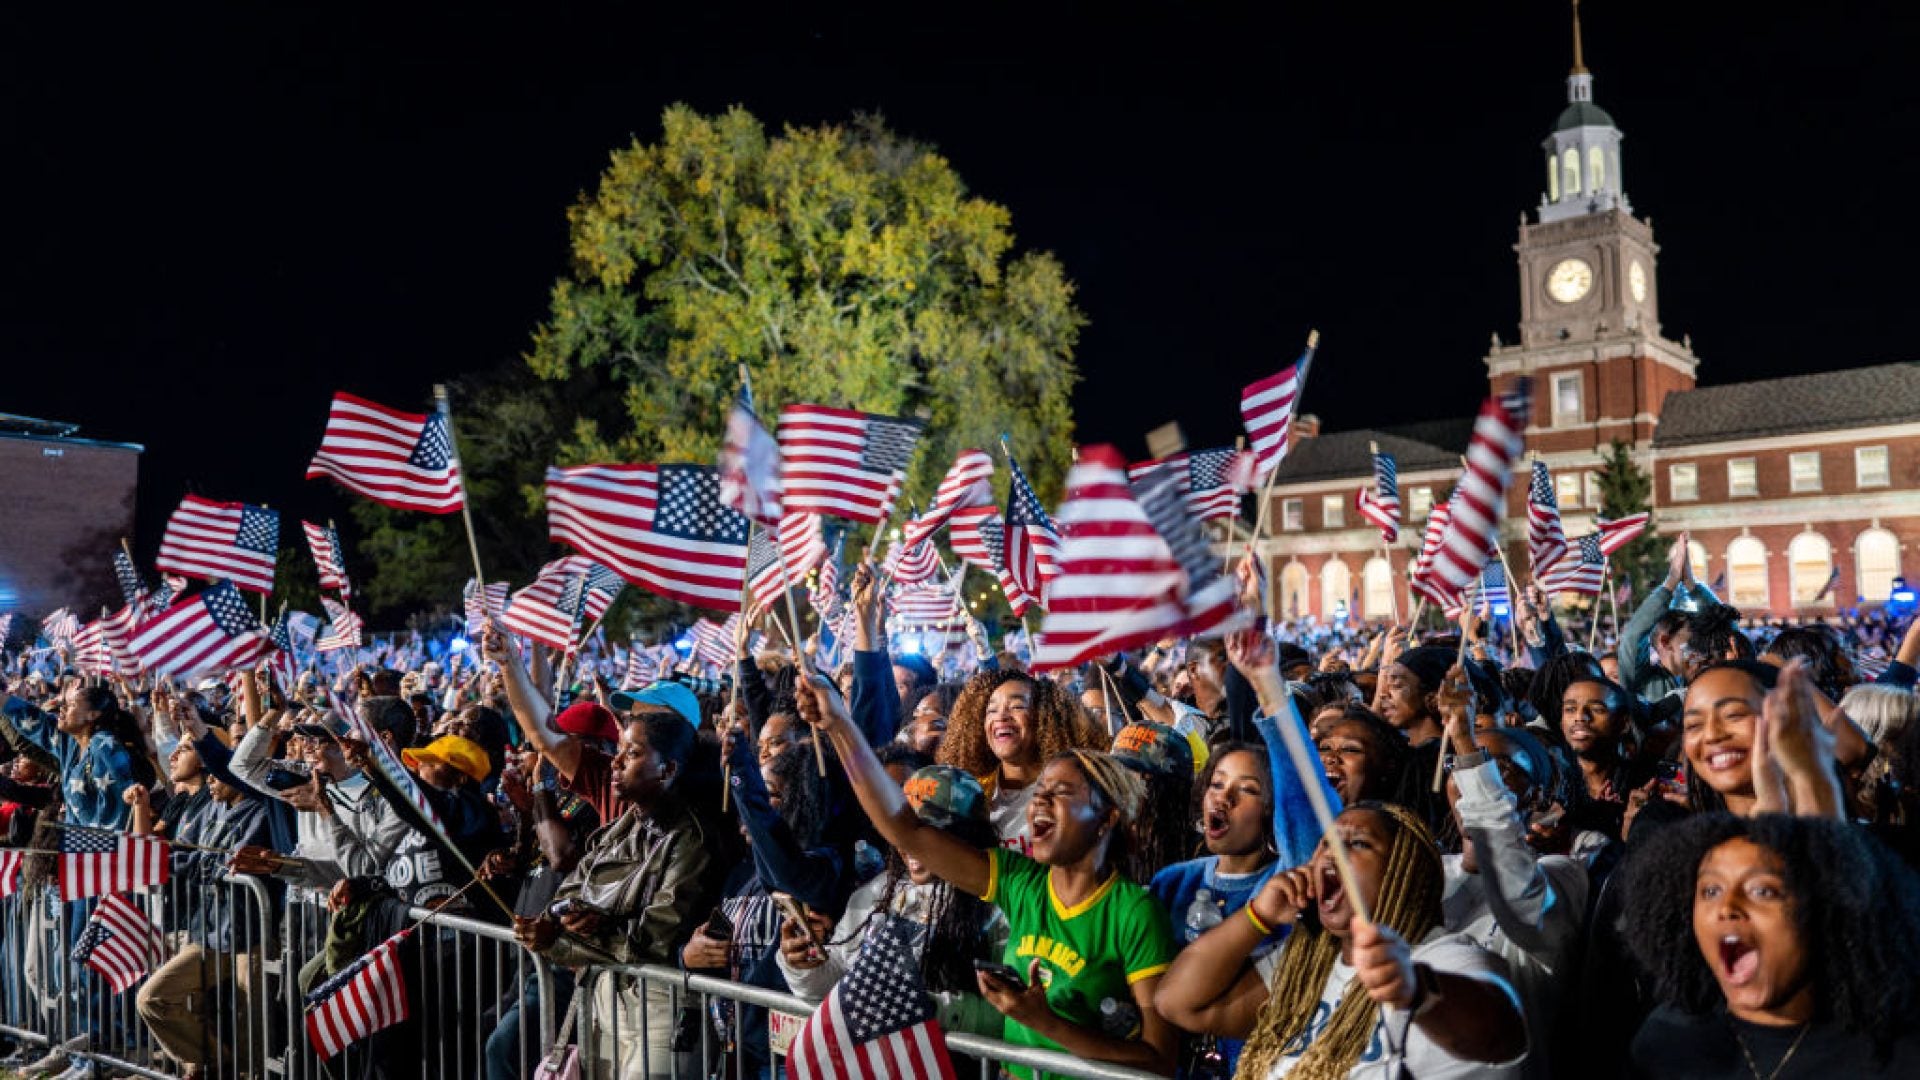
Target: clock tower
x: 1589, y: 302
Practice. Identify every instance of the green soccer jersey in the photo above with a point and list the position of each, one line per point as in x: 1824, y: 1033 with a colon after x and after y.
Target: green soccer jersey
x: 1090, y: 954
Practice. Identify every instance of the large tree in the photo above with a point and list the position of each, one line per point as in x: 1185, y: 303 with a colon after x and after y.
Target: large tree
x: 843, y: 265
x: 1625, y: 489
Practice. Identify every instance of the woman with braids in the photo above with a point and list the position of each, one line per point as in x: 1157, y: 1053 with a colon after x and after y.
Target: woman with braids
x: 1347, y: 998
x: 1779, y: 947
x: 1005, y: 726
x: 1088, y: 945
x: 959, y: 928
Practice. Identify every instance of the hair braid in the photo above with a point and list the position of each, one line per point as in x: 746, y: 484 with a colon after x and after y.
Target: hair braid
x: 1408, y: 903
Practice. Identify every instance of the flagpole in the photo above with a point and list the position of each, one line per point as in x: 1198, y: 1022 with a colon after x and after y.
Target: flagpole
x: 1459, y: 661
x: 1593, y: 631
x: 1512, y: 586
x: 733, y: 695
x: 1613, y: 599
x: 1226, y: 560
x: 466, y: 506
x: 1386, y: 552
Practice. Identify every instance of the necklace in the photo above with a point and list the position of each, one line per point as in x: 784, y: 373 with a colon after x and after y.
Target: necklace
x: 1784, y: 1058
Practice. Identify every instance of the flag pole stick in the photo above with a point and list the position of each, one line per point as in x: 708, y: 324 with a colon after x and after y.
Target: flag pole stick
x: 466, y: 508
x: 1226, y: 559
x: 1308, y: 765
x: 1460, y: 661
x: 793, y: 642
x: 1512, y: 591
x: 1593, y: 630
x: 1613, y: 600
x: 733, y: 693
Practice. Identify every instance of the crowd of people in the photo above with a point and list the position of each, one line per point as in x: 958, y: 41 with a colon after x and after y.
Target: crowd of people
x: 1690, y: 855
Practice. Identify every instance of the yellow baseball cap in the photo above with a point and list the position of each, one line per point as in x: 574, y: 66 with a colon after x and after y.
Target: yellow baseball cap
x: 453, y: 750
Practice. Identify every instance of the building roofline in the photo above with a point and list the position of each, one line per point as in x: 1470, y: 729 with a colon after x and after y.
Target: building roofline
x: 67, y: 440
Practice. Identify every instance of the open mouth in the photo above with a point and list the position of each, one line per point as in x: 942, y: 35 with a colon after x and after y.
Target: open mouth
x: 1333, y: 895
x: 1003, y: 733
x: 1579, y: 732
x: 1726, y: 760
x: 1214, y: 824
x: 1739, y: 960
x: 1040, y: 826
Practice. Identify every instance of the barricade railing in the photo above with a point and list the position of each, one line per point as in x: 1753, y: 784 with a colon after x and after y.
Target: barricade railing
x: 626, y: 1042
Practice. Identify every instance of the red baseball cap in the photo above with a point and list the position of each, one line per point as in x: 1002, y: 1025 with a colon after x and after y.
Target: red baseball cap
x: 588, y: 718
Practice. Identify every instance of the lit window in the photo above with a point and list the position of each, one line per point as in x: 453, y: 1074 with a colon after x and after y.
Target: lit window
x: 1377, y: 584
x: 1742, y: 480
x: 1567, y: 489
x: 1293, y: 515
x: 1570, y: 166
x: 1293, y: 591
x: 1870, y: 467
x: 1336, y: 590
x: 1333, y: 512
x: 1419, y: 503
x: 1568, y: 408
x: 1553, y: 178
x: 1804, y: 471
x: 1811, y: 560
x: 1877, y: 562
x: 1747, y: 572
x: 1596, y: 169
x: 1683, y: 483
x: 1590, y: 487
x: 1697, y: 554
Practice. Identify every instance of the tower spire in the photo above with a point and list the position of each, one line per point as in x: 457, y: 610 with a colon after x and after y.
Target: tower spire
x: 1579, y: 60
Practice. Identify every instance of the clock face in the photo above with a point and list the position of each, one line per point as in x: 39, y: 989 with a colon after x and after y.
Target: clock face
x: 1569, y: 280
x: 1637, y: 281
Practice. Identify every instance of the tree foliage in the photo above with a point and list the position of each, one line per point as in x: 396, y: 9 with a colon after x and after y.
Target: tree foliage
x: 1626, y: 489
x: 842, y: 265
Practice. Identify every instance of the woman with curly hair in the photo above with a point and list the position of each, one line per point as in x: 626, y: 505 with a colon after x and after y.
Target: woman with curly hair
x: 1087, y: 946
x: 1804, y: 957
x: 1004, y: 727
x: 1317, y: 1007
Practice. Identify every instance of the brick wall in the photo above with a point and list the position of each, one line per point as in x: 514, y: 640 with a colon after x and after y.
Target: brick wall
x: 63, y: 508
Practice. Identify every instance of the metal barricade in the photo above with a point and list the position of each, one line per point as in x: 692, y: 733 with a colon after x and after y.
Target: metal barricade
x: 620, y: 1032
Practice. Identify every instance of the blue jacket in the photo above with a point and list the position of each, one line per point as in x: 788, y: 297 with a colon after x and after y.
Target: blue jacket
x: 94, y: 778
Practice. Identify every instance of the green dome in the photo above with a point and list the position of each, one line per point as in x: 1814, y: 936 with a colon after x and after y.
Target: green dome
x: 1582, y: 114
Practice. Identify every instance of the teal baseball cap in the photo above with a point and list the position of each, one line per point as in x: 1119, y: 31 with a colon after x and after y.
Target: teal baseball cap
x: 667, y: 695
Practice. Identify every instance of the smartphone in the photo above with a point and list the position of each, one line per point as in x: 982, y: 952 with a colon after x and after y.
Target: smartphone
x: 1000, y: 973
x: 718, y: 926
x: 1672, y: 775
x: 797, y: 911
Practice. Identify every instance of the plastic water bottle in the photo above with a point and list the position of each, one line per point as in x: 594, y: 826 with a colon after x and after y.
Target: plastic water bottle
x: 1203, y: 914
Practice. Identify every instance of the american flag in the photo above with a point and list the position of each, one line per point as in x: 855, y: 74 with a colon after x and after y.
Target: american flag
x: 1381, y: 504
x: 927, y: 607
x: 824, y: 595
x: 539, y: 610
x: 324, y: 541
x: 1210, y: 482
x: 644, y: 665
x: 573, y: 601
x: 343, y: 627
x: 1546, y: 540
x: 399, y: 459
x: 713, y: 642
x: 130, y: 587
x: 1493, y: 587
x: 483, y: 604
x: 1620, y: 532
x: 1583, y: 570
x: 222, y: 540
x: 1119, y: 585
x: 120, y: 943
x: 90, y: 651
x: 1832, y: 582
x: 60, y: 627
x: 285, y: 662
x: 1267, y: 407
x: 911, y: 564
x: 105, y: 646
x: 211, y: 630
x: 366, y: 996
x: 662, y: 527
x: 1423, y: 580
x: 1208, y: 594
x: 1480, y: 496
x: 170, y: 587
x: 878, y: 1021
x: 750, y: 465
x: 1032, y: 542
x: 11, y: 860
x: 844, y: 463
x: 969, y: 482
x: 979, y: 535
x: 94, y: 862
x: 773, y: 568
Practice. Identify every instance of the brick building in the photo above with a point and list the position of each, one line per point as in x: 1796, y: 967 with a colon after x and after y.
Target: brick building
x: 64, y: 505
x: 1782, y: 482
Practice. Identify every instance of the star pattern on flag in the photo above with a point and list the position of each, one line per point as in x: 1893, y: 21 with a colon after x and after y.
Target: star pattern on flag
x: 690, y: 507
x: 1208, y: 468
x: 229, y: 610
x: 889, y: 446
x: 259, y: 530
x: 883, y: 995
x: 435, y: 449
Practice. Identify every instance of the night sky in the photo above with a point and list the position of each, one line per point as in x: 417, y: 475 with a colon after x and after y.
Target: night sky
x: 215, y: 219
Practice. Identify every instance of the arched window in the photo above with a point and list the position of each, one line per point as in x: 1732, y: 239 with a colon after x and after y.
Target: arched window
x: 1697, y: 553
x: 1596, y: 169
x: 1293, y: 591
x: 1747, y: 573
x: 1810, y: 560
x: 1570, y: 167
x: 1553, y: 178
x: 1377, y: 587
x: 1336, y: 589
x: 1876, y: 562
